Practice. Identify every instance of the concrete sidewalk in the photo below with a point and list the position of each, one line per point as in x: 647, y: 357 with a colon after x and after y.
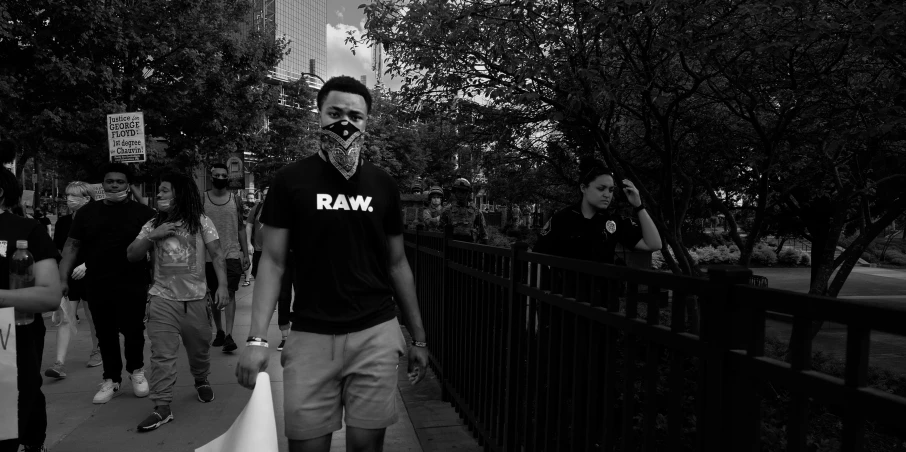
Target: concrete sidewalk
x: 75, y: 424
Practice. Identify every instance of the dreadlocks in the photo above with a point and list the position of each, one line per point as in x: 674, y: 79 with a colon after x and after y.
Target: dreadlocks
x: 186, y: 205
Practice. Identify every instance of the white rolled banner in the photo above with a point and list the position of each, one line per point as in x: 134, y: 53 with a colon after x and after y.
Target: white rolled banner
x: 256, y: 427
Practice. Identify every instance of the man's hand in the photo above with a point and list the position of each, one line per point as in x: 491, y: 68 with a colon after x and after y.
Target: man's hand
x: 163, y: 231
x: 418, y: 364
x: 222, y: 297
x: 252, y: 361
x: 64, y: 287
x: 79, y: 272
x: 245, y: 262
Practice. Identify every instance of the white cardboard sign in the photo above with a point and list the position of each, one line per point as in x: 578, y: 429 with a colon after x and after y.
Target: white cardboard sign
x: 126, y: 137
x: 255, y: 428
x: 9, y: 389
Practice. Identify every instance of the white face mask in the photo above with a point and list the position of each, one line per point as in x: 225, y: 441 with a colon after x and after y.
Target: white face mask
x: 75, y: 202
x: 117, y: 196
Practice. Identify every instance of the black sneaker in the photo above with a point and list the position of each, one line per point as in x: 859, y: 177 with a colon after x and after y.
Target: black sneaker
x: 205, y: 392
x: 40, y: 448
x: 282, y: 343
x: 228, y: 344
x: 218, y: 340
x: 160, y: 416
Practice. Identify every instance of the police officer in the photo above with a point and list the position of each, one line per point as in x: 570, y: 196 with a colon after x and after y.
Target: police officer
x: 461, y: 219
x: 431, y: 214
x: 590, y: 230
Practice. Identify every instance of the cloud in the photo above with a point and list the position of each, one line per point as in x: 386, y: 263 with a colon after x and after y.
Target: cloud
x: 341, y: 61
x: 340, y: 13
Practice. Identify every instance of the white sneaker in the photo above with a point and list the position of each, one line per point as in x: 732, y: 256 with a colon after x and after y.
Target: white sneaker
x: 139, y: 383
x: 109, y: 390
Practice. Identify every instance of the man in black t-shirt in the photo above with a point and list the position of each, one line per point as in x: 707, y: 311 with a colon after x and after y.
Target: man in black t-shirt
x: 339, y: 215
x: 43, y: 297
x: 118, y: 289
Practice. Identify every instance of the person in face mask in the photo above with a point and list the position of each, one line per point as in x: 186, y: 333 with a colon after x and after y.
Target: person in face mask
x: 78, y: 194
x: 178, y: 308
x: 101, y: 232
x: 337, y: 216
x: 224, y: 208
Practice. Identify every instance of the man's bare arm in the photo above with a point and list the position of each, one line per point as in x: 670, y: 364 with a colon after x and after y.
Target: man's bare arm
x: 404, y: 283
x: 43, y: 297
x: 270, y: 273
x: 70, y: 252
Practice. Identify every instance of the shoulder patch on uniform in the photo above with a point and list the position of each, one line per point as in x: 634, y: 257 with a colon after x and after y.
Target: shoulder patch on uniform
x: 546, y: 228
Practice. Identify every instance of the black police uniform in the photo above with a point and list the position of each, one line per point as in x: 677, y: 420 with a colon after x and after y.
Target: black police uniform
x: 569, y: 234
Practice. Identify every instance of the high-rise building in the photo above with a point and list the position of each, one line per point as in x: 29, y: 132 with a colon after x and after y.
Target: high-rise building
x: 303, y: 23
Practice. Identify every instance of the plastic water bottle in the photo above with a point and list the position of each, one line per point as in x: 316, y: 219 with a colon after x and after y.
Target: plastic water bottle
x: 22, y: 274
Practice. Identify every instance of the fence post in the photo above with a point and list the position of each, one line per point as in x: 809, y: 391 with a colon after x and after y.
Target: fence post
x: 446, y: 332
x: 417, y: 252
x: 515, y: 328
x: 732, y: 404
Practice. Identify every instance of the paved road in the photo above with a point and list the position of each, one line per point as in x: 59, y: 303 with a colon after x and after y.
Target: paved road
x: 878, y: 285
x: 75, y: 424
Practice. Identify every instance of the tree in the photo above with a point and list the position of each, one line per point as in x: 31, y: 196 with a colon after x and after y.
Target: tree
x: 189, y: 66
x: 687, y: 98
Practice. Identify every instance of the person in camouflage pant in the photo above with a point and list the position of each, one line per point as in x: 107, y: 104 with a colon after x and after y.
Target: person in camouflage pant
x: 461, y: 219
x: 431, y: 214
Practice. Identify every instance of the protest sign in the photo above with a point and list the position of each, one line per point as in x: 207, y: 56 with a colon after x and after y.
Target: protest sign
x: 9, y: 391
x: 126, y: 137
x: 255, y: 428
x: 28, y: 197
x: 97, y: 192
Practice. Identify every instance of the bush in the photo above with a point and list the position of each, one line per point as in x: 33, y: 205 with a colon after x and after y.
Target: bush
x: 764, y: 255
x: 657, y: 261
x: 805, y: 259
x: 789, y: 256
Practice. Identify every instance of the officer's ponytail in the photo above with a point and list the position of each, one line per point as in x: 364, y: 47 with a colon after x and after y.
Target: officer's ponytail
x: 590, y: 169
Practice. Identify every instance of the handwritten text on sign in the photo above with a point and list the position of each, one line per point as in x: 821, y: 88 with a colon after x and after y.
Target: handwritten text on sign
x: 9, y: 391
x: 126, y: 135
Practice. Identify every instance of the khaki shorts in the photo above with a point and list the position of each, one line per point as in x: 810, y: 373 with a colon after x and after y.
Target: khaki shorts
x: 323, y: 374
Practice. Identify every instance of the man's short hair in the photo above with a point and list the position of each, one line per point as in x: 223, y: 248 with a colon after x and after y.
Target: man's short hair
x: 344, y: 84
x: 117, y: 167
x: 221, y: 166
x: 12, y: 192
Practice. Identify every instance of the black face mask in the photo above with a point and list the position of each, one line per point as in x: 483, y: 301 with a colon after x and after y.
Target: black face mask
x: 220, y: 183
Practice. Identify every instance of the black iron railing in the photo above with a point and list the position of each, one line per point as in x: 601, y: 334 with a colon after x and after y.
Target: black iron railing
x: 542, y: 353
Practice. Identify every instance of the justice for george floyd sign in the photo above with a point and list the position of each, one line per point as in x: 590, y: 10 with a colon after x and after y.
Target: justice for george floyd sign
x: 126, y: 136
x: 9, y: 391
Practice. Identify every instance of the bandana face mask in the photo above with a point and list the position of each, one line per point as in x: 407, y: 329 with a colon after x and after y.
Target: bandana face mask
x: 342, y: 143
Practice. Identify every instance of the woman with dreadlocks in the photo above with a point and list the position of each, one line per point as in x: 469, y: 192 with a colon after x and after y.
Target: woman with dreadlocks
x: 178, y: 305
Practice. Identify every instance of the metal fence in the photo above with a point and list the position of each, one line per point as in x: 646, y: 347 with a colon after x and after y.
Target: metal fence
x: 542, y: 353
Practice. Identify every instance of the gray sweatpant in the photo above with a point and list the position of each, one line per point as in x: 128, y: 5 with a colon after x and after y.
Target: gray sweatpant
x: 167, y: 321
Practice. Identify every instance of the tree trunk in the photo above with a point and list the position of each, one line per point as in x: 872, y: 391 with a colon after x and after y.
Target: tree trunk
x: 780, y: 245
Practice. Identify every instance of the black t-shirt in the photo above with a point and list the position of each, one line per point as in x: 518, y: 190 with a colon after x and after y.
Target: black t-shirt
x: 338, y: 235
x: 569, y: 234
x: 105, y: 231
x: 14, y: 228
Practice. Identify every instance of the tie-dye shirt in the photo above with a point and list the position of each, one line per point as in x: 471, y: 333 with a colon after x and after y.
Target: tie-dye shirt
x: 179, y: 261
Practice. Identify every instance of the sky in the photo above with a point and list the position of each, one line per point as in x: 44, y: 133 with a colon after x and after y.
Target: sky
x: 344, y: 16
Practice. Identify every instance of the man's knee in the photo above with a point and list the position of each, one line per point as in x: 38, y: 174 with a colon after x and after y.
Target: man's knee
x: 365, y: 439
x: 320, y: 444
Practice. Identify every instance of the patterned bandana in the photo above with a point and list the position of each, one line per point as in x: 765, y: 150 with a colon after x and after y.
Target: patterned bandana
x: 342, y: 144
